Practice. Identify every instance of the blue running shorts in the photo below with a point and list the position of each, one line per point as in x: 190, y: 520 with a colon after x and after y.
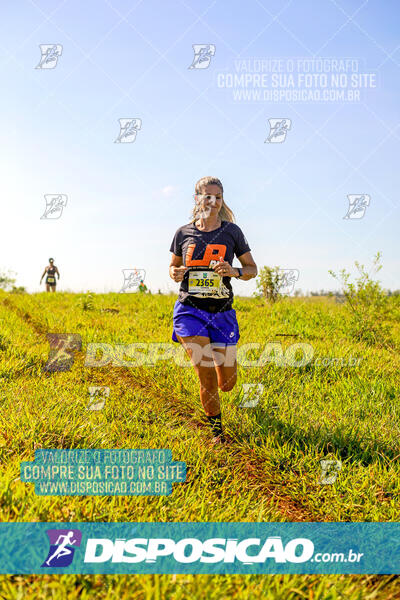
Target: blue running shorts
x: 221, y: 327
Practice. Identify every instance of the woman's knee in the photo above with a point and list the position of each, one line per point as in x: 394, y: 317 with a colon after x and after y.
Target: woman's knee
x: 226, y: 385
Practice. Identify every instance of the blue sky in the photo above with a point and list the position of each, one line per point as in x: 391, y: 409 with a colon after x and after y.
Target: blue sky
x: 125, y: 201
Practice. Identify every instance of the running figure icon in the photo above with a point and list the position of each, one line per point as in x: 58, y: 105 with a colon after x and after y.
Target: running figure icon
x: 62, y: 549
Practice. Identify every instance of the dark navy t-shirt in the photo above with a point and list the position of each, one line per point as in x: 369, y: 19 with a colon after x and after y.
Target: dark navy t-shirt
x: 200, y: 250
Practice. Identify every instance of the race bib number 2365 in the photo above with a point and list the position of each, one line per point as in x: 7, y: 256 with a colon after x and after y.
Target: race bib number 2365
x: 203, y: 283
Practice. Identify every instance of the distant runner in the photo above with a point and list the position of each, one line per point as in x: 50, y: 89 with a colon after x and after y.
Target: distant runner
x: 142, y: 287
x: 204, y: 321
x: 50, y: 271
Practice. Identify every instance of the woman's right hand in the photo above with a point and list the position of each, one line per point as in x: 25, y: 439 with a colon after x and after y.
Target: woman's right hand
x: 177, y: 273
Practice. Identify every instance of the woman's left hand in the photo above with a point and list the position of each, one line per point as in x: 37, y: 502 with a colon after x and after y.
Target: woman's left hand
x: 224, y: 269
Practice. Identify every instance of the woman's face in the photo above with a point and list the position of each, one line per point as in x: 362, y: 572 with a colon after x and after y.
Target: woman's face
x: 209, y: 200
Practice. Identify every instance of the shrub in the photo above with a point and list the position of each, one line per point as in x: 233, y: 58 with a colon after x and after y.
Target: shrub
x: 268, y: 283
x: 367, y: 303
x: 6, y: 280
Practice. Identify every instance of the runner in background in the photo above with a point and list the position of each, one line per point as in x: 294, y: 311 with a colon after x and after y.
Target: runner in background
x: 50, y: 271
x: 142, y: 287
x: 204, y: 321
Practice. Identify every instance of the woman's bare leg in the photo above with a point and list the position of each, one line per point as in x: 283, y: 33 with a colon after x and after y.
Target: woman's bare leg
x: 203, y: 363
x: 225, y: 360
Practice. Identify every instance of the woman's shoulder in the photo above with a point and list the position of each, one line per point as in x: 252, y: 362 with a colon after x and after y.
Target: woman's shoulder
x: 185, y: 228
x: 232, y: 227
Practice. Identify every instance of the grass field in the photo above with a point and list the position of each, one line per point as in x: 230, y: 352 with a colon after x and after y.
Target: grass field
x: 271, y: 470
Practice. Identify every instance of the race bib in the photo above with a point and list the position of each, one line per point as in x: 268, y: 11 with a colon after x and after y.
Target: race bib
x: 206, y: 284
x: 51, y: 280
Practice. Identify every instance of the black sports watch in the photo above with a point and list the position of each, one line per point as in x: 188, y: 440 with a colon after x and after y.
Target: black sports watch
x: 240, y: 273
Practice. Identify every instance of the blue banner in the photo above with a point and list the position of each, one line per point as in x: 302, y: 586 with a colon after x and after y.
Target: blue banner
x: 124, y: 548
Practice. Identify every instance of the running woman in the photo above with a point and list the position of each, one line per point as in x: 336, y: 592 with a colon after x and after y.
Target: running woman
x: 51, y: 271
x: 204, y: 321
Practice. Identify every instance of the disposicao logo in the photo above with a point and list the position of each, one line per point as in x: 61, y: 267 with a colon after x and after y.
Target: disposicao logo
x: 63, y: 543
x: 191, y: 550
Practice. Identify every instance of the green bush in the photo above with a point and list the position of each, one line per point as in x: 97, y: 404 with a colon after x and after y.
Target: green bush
x: 367, y: 303
x: 268, y: 283
x: 6, y: 280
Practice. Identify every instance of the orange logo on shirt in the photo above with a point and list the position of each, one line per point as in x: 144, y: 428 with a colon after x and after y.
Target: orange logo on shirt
x: 212, y: 252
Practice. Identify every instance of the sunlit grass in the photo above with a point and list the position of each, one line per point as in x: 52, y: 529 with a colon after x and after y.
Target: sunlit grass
x: 271, y: 470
